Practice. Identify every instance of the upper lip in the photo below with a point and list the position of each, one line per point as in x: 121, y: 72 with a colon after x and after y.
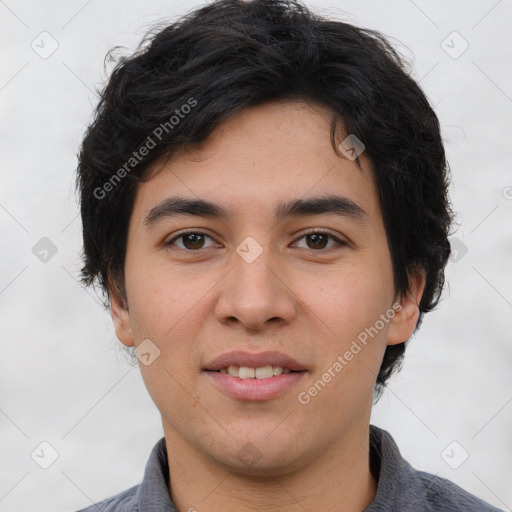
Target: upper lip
x: 253, y: 360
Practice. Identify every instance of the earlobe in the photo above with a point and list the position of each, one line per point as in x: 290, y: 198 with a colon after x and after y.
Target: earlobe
x: 120, y: 316
x: 406, y: 311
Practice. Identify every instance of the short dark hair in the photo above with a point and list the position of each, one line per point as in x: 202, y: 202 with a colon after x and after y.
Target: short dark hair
x: 185, y: 79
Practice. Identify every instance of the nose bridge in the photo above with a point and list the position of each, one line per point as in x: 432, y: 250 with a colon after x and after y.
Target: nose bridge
x: 254, y: 276
x: 255, y: 292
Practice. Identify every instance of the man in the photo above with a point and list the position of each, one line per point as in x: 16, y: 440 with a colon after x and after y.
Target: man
x: 264, y: 204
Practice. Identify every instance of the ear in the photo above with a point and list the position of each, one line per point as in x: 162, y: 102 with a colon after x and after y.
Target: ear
x: 406, y: 310
x: 120, y: 314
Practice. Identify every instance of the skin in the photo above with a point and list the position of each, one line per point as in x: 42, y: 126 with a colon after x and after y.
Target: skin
x: 305, y: 301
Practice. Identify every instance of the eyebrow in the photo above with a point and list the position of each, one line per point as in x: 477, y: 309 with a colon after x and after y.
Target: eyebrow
x: 330, y: 204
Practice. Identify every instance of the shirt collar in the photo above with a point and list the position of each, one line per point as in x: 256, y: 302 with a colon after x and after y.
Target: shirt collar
x: 153, y: 493
x: 394, y: 475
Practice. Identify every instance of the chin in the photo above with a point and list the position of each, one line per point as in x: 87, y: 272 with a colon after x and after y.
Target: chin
x: 257, y: 456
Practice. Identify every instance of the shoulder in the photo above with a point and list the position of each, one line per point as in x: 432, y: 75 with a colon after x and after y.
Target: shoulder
x: 401, y: 487
x: 443, y: 495
x: 153, y: 488
x: 125, y: 501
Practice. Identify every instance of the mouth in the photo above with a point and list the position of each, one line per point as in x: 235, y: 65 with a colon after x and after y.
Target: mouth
x: 260, y: 376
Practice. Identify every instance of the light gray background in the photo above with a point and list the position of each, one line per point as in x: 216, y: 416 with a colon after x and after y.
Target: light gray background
x: 63, y: 378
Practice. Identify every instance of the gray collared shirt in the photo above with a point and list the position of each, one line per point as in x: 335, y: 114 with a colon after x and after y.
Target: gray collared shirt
x: 400, y: 488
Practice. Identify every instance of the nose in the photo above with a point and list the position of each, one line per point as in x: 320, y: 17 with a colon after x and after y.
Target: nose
x: 255, y: 293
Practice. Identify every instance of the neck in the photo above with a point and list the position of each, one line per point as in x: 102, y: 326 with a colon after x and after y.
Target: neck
x: 340, y: 476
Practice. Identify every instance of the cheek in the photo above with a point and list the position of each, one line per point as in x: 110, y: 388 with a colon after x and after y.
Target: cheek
x: 169, y: 308
x: 349, y: 301
x: 159, y: 297
x: 165, y: 310
x: 351, y: 348
x: 351, y: 305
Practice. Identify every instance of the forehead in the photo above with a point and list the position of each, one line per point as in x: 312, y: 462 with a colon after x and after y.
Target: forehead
x: 259, y: 159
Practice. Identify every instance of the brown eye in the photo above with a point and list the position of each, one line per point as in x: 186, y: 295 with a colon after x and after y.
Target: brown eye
x: 316, y: 241
x: 191, y: 241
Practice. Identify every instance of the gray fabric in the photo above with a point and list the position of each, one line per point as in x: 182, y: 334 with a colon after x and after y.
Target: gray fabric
x: 400, y: 488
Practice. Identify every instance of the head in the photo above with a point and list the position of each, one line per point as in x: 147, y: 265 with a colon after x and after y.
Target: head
x: 251, y: 105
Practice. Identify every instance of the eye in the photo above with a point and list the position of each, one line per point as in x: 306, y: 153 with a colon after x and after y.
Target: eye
x: 192, y: 240
x: 318, y: 240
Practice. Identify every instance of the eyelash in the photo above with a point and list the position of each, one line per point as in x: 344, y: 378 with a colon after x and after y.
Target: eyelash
x: 339, y: 242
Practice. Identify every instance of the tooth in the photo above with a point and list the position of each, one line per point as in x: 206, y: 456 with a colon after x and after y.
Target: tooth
x: 233, y: 370
x: 264, y: 372
x: 246, y: 373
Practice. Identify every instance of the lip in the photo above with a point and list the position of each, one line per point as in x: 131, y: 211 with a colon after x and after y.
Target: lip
x: 254, y: 389
x: 253, y: 360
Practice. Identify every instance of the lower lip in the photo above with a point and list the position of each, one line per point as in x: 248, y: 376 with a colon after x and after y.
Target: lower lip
x: 254, y: 389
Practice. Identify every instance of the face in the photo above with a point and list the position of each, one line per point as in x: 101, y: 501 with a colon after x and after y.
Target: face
x: 304, y: 283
